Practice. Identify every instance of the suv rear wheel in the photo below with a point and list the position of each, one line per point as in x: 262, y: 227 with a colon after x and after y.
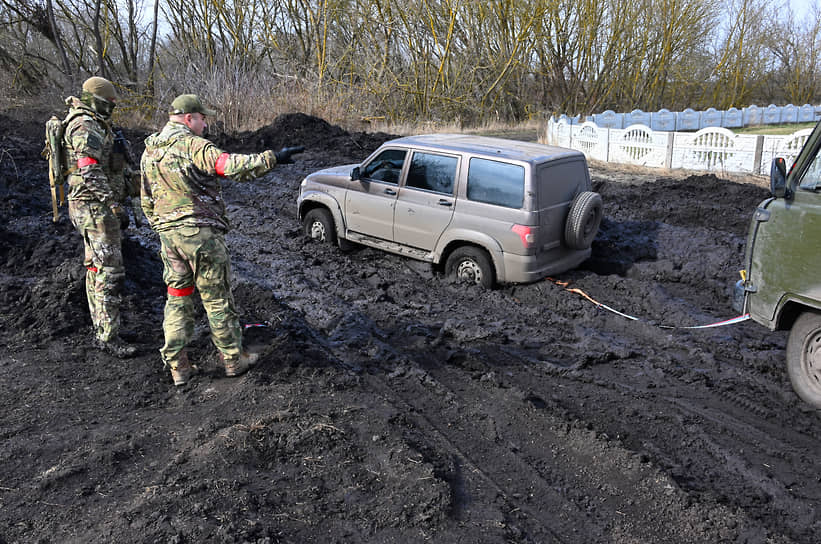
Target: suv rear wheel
x: 470, y: 265
x: 583, y: 220
x: 804, y: 357
x: 319, y: 226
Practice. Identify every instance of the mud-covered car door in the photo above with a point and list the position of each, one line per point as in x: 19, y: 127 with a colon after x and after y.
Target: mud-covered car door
x: 425, y: 204
x: 369, y: 206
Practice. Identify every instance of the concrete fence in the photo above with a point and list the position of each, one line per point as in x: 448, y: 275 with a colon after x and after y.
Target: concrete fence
x: 691, y: 120
x: 714, y: 149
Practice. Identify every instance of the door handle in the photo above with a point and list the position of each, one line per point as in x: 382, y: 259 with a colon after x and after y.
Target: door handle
x: 390, y: 192
x: 443, y: 202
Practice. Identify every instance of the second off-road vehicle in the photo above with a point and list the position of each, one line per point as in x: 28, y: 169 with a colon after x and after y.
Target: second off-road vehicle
x: 781, y: 282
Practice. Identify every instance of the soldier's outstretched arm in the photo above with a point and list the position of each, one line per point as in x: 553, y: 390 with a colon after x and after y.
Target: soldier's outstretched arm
x: 240, y: 166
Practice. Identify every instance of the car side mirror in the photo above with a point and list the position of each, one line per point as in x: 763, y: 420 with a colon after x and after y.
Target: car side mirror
x: 355, y: 175
x: 778, y: 178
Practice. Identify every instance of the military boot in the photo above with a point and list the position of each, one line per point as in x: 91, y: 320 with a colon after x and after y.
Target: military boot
x: 239, y: 366
x: 184, y: 371
x: 116, y: 347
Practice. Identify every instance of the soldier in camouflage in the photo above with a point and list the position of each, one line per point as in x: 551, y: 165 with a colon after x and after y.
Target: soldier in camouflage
x: 182, y: 200
x: 94, y: 209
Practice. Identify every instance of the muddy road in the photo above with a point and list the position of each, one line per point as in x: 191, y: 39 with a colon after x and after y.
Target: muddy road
x: 391, y: 404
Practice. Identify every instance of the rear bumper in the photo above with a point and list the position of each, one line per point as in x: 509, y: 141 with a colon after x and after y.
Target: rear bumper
x: 530, y: 268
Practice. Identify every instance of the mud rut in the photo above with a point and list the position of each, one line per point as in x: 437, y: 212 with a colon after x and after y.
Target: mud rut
x: 392, y: 405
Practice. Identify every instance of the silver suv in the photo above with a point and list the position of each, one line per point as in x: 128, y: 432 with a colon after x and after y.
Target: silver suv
x: 488, y: 209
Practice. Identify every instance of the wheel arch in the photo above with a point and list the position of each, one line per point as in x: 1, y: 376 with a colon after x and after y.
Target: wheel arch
x: 485, y: 243
x: 789, y: 311
x: 313, y: 200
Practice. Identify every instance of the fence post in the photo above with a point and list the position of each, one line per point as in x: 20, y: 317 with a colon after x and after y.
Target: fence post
x: 759, y: 149
x: 668, y: 156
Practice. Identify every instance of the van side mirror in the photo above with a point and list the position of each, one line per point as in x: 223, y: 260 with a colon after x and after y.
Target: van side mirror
x: 778, y: 178
x: 355, y: 175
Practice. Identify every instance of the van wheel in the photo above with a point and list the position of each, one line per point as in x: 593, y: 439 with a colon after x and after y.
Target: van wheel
x: 319, y: 226
x: 804, y: 357
x: 470, y: 265
x: 583, y: 220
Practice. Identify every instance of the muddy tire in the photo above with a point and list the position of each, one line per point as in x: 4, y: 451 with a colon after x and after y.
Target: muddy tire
x: 583, y: 220
x: 470, y: 265
x: 318, y: 225
x: 804, y: 357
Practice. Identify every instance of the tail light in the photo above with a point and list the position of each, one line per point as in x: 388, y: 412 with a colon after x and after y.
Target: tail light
x: 525, y: 233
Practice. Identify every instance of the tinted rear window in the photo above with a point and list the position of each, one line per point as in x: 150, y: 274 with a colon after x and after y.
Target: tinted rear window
x: 497, y: 183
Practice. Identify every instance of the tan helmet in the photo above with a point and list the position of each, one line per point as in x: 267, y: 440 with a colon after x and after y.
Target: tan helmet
x: 100, y: 88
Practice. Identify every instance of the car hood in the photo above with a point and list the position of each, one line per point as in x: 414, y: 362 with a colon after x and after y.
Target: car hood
x: 343, y: 171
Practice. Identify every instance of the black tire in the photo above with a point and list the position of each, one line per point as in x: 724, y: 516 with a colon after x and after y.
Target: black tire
x: 319, y: 225
x: 804, y: 357
x: 583, y: 220
x: 471, y: 265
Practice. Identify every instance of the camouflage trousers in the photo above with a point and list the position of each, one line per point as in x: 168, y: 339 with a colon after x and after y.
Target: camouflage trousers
x: 197, y: 257
x: 103, y: 260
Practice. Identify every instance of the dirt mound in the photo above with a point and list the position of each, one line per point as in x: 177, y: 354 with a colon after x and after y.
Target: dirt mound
x: 391, y: 404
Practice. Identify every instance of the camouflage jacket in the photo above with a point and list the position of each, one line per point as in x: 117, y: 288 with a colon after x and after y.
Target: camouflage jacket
x: 181, y: 178
x: 87, y: 141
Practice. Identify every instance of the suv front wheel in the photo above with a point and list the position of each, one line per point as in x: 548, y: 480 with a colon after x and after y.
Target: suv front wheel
x: 319, y: 226
x: 804, y: 357
x: 470, y: 265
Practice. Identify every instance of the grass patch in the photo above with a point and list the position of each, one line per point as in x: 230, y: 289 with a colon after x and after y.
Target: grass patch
x: 779, y: 130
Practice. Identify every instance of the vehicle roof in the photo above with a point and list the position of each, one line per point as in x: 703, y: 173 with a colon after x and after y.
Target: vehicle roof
x: 489, y: 147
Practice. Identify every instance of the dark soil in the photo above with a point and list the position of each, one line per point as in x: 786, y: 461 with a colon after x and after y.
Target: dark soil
x: 392, y: 404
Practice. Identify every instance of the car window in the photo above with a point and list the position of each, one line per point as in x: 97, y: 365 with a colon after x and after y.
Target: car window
x: 558, y: 183
x: 812, y: 177
x: 387, y: 166
x: 432, y: 172
x: 496, y: 182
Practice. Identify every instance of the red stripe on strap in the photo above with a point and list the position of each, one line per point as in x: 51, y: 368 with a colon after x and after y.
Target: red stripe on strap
x: 92, y: 268
x: 86, y: 161
x: 220, y: 166
x: 184, y: 292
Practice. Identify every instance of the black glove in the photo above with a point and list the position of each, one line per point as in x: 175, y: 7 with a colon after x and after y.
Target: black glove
x: 284, y: 155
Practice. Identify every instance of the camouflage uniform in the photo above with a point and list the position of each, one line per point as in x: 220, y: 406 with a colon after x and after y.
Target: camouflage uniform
x: 182, y: 200
x: 87, y: 141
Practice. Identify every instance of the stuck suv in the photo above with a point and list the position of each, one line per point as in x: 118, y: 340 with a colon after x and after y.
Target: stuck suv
x: 781, y: 285
x: 485, y: 209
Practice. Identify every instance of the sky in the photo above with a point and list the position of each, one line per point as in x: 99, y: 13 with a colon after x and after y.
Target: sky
x: 801, y: 7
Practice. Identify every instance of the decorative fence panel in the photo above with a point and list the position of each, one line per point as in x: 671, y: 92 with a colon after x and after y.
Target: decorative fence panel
x: 638, y: 145
x: 592, y: 140
x: 714, y: 149
x: 782, y: 146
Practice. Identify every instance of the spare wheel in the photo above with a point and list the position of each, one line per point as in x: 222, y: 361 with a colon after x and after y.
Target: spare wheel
x: 583, y: 220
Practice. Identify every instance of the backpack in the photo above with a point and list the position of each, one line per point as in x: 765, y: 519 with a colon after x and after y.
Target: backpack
x: 55, y: 155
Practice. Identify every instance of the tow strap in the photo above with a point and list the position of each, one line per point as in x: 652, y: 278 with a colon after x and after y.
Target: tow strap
x: 598, y: 304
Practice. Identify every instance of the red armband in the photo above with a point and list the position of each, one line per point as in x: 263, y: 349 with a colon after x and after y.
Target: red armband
x: 220, y: 166
x: 184, y: 292
x: 86, y: 161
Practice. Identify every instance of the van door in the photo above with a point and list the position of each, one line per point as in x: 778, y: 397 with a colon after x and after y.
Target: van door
x: 558, y: 183
x: 426, y: 201
x: 784, y: 258
x: 369, y: 207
